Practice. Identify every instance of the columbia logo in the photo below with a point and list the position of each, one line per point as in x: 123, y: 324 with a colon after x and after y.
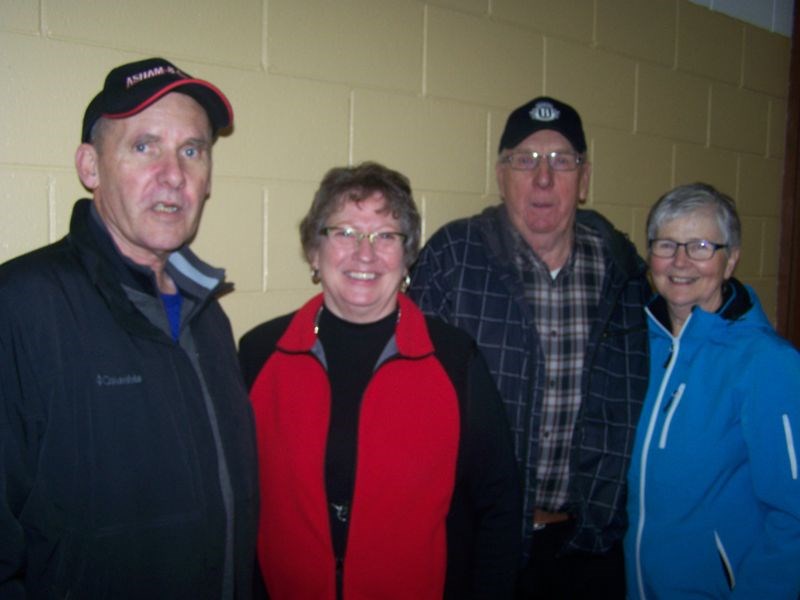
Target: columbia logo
x: 110, y: 380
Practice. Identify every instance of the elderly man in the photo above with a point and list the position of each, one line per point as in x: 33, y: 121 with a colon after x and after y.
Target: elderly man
x: 127, y: 462
x: 554, y: 297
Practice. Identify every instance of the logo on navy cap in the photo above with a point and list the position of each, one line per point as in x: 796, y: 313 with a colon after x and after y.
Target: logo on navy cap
x: 544, y: 111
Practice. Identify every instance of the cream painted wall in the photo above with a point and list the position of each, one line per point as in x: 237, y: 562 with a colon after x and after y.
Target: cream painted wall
x: 670, y: 93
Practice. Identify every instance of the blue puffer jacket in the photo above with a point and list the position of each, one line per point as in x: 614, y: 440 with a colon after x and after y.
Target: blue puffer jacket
x: 714, y: 494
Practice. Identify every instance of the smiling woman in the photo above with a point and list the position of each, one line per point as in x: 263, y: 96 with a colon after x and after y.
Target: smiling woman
x: 366, y: 414
x: 360, y: 272
x: 694, y: 237
x: 691, y: 272
x: 714, y: 494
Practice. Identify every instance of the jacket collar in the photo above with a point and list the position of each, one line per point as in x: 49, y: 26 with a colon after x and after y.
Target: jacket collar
x: 736, y: 303
x: 129, y: 290
x: 494, y: 223
x: 410, y: 337
x: 105, y: 263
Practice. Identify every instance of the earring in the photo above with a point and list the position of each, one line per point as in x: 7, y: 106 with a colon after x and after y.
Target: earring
x: 315, y: 276
x: 405, y: 283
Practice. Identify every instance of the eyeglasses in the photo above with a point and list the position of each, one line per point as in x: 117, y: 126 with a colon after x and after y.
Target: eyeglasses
x: 695, y: 249
x: 350, y: 238
x: 528, y: 161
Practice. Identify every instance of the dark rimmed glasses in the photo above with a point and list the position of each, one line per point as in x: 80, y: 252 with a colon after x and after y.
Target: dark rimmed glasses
x: 695, y: 249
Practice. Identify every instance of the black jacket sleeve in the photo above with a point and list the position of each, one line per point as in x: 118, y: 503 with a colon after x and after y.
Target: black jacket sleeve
x: 494, y: 487
x: 258, y: 344
x: 255, y: 348
x: 485, y: 520
x: 20, y: 430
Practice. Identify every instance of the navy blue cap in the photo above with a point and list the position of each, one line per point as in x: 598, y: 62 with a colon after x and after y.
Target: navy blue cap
x: 543, y: 113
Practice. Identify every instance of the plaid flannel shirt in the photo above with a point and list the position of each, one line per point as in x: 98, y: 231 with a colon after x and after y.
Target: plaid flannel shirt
x: 563, y: 307
x: 466, y: 276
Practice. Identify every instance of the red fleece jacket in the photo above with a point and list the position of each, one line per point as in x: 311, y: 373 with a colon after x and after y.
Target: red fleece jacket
x: 408, y: 436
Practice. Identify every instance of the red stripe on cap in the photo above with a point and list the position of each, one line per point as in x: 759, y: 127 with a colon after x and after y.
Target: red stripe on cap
x: 172, y: 86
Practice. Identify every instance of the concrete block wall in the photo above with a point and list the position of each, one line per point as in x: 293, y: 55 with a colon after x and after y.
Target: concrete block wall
x: 670, y: 93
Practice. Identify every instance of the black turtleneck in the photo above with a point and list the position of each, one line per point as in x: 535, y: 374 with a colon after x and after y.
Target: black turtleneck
x: 351, y: 352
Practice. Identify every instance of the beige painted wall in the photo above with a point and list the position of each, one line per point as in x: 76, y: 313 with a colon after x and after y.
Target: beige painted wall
x: 669, y: 91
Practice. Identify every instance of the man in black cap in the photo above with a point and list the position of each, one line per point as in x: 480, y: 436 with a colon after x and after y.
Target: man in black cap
x: 127, y: 461
x: 554, y: 297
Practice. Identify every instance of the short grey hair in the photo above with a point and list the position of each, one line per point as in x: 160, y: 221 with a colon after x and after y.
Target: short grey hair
x: 97, y: 132
x: 355, y: 184
x: 687, y: 199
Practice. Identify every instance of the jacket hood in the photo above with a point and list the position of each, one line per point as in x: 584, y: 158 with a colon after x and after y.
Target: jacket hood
x: 740, y: 304
x: 618, y: 247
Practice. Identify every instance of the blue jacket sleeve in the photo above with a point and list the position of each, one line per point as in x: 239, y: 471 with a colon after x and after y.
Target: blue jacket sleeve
x: 771, y: 427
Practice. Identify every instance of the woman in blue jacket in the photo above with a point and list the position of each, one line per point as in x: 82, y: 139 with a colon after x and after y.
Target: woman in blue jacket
x: 714, y: 495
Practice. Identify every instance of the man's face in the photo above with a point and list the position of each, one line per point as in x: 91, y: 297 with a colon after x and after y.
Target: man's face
x: 150, y: 175
x: 542, y: 203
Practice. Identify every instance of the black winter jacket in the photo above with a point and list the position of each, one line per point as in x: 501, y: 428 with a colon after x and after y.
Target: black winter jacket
x: 127, y: 460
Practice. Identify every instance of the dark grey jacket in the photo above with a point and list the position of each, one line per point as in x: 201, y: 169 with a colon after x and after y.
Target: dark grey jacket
x: 127, y: 460
x: 466, y: 276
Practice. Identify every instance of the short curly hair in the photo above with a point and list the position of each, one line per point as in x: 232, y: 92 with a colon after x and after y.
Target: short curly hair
x: 357, y: 183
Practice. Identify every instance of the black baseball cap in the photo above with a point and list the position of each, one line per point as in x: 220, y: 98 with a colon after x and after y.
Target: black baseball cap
x: 132, y: 87
x: 543, y: 113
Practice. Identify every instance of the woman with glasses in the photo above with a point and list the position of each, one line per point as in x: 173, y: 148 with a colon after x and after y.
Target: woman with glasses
x: 714, y: 494
x: 386, y: 466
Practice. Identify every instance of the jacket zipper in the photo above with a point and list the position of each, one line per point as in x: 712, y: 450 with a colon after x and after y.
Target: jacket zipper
x: 648, y: 439
x: 339, y: 577
x: 348, y: 509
